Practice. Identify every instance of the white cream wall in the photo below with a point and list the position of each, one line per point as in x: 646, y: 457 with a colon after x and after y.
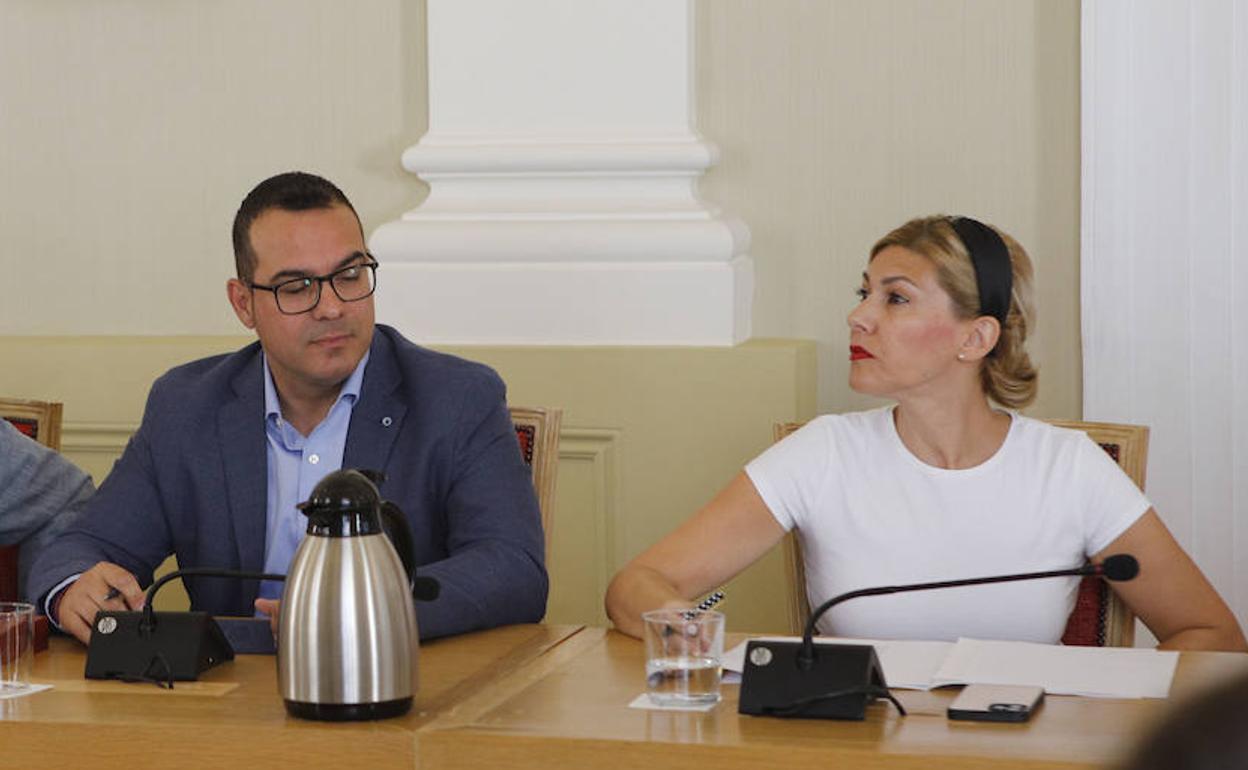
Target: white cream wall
x: 840, y: 119
x: 131, y: 129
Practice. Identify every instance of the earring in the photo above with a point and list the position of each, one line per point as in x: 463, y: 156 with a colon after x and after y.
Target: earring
x: 961, y: 356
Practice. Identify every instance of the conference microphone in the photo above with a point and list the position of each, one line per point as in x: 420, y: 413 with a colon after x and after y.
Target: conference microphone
x: 163, y: 647
x: 837, y: 681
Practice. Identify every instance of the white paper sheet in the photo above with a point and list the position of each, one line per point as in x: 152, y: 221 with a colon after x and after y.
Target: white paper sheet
x: 643, y: 702
x: 7, y: 693
x: 1098, y: 672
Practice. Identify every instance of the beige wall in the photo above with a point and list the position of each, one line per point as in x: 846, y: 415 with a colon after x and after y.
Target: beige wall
x: 840, y: 119
x: 132, y: 129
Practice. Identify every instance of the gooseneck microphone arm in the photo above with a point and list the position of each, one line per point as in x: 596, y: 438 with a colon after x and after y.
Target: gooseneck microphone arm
x: 149, y: 617
x: 1117, y: 567
x: 424, y: 588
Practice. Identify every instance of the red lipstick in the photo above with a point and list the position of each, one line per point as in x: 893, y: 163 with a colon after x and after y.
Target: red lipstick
x: 858, y: 353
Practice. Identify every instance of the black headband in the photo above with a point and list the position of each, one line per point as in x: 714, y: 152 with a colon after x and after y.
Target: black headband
x: 994, y: 274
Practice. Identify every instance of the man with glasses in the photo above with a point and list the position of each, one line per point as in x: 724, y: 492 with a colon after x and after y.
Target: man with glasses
x: 230, y: 444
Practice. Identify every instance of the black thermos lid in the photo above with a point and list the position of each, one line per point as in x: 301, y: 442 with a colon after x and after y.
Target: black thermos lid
x: 345, y: 503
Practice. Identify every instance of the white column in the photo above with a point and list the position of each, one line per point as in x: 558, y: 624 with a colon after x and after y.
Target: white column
x: 1165, y: 244
x: 562, y: 167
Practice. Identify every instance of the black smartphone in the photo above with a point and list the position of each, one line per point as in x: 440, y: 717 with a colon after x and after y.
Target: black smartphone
x: 996, y: 703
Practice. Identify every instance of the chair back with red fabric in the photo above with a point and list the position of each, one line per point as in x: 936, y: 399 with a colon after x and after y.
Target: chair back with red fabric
x: 537, y: 432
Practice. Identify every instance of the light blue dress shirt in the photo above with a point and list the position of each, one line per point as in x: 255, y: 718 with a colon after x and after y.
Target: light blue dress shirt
x: 296, y: 464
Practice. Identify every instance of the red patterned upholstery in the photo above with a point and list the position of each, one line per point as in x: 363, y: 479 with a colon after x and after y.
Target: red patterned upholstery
x: 1089, y: 620
x: 28, y: 427
x: 8, y: 573
x: 8, y: 593
x: 537, y: 433
x: 8, y: 553
x: 525, y: 435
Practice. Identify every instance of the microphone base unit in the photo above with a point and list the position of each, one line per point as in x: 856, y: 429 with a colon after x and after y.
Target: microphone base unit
x: 843, y: 680
x: 178, y: 646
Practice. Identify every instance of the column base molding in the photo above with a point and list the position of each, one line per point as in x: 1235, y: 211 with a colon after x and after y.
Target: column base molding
x: 572, y: 303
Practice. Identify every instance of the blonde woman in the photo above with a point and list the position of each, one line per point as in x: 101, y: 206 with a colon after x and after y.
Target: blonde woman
x: 945, y: 483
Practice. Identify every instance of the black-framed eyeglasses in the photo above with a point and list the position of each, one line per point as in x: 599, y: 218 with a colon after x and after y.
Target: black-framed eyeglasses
x: 300, y: 295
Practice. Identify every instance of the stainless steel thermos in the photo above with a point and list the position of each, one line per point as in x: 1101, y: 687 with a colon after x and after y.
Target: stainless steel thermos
x: 347, y: 639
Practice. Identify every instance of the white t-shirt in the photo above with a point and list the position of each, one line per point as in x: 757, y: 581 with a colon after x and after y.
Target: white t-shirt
x: 869, y: 513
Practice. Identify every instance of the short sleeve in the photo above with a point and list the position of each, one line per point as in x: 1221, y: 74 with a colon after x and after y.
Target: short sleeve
x: 792, y: 475
x: 1109, y: 499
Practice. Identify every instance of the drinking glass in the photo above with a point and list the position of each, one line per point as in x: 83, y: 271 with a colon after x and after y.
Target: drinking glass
x: 684, y: 656
x: 17, y: 646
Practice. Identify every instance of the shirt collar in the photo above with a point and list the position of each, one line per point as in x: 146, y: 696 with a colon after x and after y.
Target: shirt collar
x: 350, y: 389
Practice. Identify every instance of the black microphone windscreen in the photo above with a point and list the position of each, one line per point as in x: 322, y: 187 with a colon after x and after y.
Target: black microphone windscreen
x: 1120, y: 566
x: 425, y: 589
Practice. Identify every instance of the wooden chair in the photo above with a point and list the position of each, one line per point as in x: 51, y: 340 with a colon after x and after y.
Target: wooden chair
x: 1099, y: 619
x: 537, y: 430
x: 40, y: 420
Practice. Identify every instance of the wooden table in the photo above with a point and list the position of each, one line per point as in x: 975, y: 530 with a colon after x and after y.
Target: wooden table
x: 535, y: 697
x: 569, y: 709
x: 234, y: 715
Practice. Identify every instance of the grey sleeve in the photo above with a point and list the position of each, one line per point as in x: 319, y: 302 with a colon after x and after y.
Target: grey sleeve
x: 41, y: 493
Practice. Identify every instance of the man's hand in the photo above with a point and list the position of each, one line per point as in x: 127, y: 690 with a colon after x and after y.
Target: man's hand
x: 272, y: 608
x: 106, y: 586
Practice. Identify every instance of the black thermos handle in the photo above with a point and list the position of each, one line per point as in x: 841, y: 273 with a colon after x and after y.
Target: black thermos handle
x: 396, y: 528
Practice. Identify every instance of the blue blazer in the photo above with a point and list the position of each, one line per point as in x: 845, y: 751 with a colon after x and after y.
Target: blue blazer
x: 192, y: 482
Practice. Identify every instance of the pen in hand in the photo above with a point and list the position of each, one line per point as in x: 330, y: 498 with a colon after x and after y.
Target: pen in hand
x: 701, y: 606
x: 706, y: 604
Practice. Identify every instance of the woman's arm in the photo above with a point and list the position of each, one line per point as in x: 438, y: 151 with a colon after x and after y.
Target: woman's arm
x: 725, y: 537
x: 1171, y: 595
